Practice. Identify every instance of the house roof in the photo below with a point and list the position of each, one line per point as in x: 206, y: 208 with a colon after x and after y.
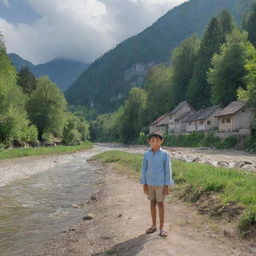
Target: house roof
x: 232, y: 108
x: 184, y: 117
x: 178, y: 107
x: 175, y: 110
x: 205, y: 113
x: 159, y: 119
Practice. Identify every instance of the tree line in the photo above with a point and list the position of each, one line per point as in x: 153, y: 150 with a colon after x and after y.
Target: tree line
x: 216, y: 68
x: 34, y: 110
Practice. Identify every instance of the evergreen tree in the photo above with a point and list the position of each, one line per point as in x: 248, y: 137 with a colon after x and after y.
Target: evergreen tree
x: 183, y: 60
x: 249, y: 24
x: 226, y: 22
x: 26, y: 80
x: 228, y: 71
x: 158, y: 89
x: 198, y: 94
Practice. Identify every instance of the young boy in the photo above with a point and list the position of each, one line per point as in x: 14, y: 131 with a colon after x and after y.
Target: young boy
x: 156, y: 175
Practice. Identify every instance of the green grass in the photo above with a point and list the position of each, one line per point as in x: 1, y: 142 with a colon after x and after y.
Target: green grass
x: 20, y: 152
x: 230, y: 185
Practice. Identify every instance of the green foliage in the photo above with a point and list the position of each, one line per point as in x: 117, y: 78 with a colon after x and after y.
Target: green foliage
x: 26, y: 80
x: 248, y: 219
x: 76, y: 130
x: 194, y: 140
x: 249, y: 23
x: 14, y: 123
x: 250, y: 144
x: 249, y: 94
x: 183, y: 60
x: 46, y: 107
x: 198, y: 94
x: 228, y: 68
x: 133, y: 113
x: 158, y: 89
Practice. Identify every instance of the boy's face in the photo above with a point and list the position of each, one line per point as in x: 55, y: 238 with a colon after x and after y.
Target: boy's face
x: 155, y: 142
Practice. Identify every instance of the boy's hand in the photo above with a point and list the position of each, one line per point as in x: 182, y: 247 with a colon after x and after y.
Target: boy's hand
x: 165, y: 190
x: 145, y: 188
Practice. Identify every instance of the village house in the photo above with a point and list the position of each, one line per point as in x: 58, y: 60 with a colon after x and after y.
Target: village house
x: 160, y: 125
x: 172, y: 122
x: 177, y: 115
x: 235, y: 119
x: 203, y: 120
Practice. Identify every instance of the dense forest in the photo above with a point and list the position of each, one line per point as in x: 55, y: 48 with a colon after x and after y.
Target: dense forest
x: 216, y: 68
x: 105, y: 84
x: 34, y: 110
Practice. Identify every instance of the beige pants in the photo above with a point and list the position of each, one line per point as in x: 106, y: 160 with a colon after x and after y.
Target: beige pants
x: 156, y: 192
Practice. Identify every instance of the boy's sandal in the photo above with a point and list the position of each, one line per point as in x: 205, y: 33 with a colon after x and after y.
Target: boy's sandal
x: 163, y: 233
x: 151, y: 230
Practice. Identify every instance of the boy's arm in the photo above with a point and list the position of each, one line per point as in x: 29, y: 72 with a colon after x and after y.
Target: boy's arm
x: 168, y: 170
x: 144, y: 170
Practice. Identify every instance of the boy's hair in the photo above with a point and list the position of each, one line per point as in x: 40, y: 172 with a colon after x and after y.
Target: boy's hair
x: 155, y: 135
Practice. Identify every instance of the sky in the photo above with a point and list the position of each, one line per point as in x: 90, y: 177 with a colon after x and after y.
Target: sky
x: 41, y: 30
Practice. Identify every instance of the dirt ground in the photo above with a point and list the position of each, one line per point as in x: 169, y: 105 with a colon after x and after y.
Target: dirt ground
x: 121, y: 216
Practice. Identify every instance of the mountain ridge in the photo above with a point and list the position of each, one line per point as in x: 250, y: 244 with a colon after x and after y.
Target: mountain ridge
x: 61, y: 71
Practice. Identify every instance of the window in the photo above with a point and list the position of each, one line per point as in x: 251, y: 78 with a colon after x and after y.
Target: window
x: 223, y: 120
x: 208, y: 122
x: 189, y: 123
x: 201, y: 122
x: 228, y: 120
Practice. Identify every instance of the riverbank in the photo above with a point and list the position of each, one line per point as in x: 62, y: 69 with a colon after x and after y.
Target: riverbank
x: 40, y: 159
x: 30, y: 151
x: 121, y: 216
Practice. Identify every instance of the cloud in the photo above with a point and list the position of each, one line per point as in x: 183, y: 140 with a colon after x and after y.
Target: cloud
x: 81, y: 29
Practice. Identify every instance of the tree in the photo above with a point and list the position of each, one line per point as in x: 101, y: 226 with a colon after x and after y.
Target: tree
x: 198, y: 94
x: 134, y: 110
x: 75, y: 130
x: 249, y: 24
x: 158, y: 89
x: 228, y: 71
x: 46, y: 107
x: 26, y: 80
x: 183, y: 60
x: 249, y: 94
x: 226, y: 22
x: 15, y: 127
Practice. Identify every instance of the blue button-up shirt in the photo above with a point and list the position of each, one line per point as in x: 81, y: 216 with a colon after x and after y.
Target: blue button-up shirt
x: 156, y: 168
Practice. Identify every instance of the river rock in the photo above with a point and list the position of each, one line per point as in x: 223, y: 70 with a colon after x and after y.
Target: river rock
x: 196, y: 159
x: 93, y: 198
x: 223, y: 163
x: 240, y: 164
x: 249, y: 167
x: 88, y: 217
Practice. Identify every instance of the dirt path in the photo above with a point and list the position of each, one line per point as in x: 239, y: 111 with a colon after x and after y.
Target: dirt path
x: 122, y: 215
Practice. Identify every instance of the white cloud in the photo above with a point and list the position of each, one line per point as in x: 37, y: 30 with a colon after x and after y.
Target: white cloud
x: 81, y: 29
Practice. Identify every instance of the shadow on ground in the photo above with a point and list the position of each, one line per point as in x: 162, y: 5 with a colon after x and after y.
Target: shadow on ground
x: 130, y: 247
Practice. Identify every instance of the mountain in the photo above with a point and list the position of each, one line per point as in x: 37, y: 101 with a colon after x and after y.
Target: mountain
x: 105, y: 84
x: 60, y: 71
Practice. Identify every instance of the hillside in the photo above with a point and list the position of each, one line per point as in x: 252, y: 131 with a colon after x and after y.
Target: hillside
x: 62, y: 72
x: 105, y: 84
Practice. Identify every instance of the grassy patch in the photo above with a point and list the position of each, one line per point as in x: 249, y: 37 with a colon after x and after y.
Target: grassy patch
x: 20, y: 152
x: 195, y: 180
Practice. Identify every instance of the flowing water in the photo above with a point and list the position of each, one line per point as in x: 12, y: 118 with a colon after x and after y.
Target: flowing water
x: 37, y: 208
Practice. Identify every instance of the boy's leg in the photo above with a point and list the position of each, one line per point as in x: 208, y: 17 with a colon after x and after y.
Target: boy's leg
x: 161, y: 214
x: 153, y: 211
x: 151, y: 197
